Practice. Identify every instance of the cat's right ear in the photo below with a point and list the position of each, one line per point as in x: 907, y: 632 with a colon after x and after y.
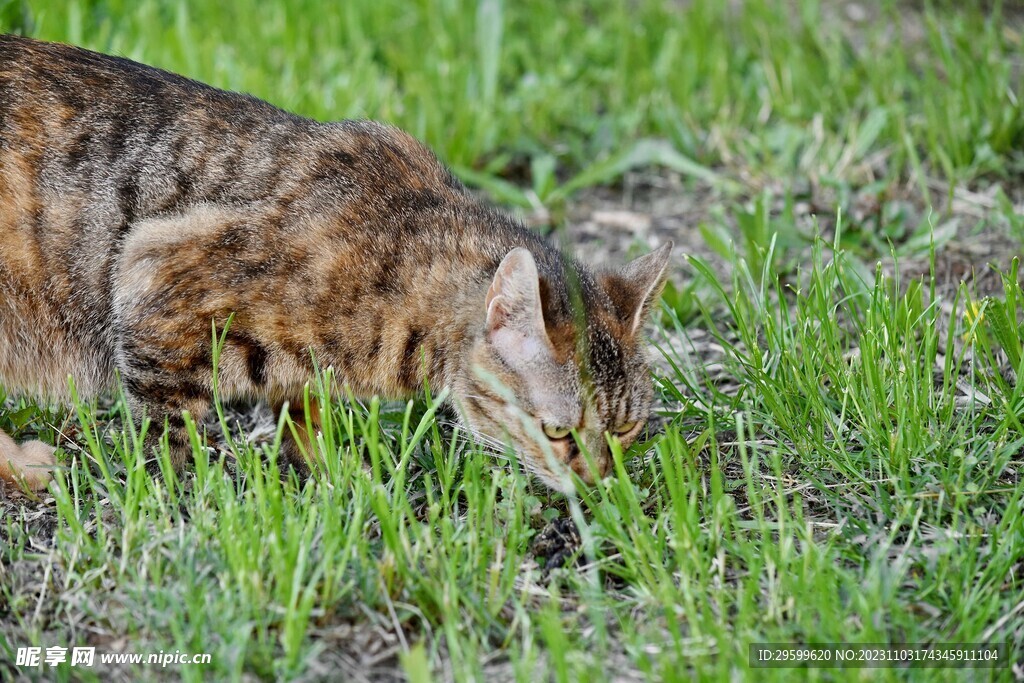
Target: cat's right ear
x: 635, y: 289
x: 515, y: 318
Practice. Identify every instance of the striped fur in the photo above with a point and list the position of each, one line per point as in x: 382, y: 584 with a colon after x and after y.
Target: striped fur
x: 137, y: 206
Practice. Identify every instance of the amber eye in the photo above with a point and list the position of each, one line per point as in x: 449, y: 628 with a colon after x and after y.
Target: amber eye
x: 625, y: 428
x: 555, y: 433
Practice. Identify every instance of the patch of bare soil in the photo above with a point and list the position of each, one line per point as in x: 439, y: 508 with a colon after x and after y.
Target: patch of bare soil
x: 608, y: 225
x: 557, y: 543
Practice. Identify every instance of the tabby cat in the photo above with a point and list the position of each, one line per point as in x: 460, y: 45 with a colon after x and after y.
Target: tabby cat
x: 138, y: 207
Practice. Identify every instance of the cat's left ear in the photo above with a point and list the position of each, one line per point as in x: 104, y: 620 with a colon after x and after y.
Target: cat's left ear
x: 635, y: 288
x: 515, y: 316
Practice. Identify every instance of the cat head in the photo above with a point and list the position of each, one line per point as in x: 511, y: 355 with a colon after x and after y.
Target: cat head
x: 561, y: 364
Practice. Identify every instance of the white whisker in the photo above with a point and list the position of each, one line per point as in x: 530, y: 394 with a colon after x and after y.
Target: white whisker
x: 478, y: 437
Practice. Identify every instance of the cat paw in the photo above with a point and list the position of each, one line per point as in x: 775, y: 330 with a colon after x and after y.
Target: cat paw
x: 32, y: 463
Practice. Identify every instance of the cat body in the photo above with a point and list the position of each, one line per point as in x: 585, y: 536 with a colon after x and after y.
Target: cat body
x: 138, y: 208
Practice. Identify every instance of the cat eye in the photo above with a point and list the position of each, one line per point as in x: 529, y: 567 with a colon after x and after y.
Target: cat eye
x: 555, y: 433
x: 625, y: 428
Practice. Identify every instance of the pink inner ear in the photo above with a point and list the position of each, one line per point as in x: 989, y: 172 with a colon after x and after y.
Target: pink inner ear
x: 497, y: 315
x: 492, y: 292
x: 507, y: 297
x: 513, y: 337
x: 514, y: 322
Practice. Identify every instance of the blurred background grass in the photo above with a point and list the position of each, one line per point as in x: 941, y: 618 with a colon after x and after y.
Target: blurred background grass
x: 840, y: 92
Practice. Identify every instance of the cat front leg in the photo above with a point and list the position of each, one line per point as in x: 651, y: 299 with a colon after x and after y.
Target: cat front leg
x: 164, y: 372
x: 166, y: 295
x: 163, y: 397
x: 298, y: 442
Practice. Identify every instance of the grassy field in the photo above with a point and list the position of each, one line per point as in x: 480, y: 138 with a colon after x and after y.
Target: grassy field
x: 841, y: 437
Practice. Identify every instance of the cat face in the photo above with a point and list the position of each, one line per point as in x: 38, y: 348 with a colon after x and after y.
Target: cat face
x: 556, y: 379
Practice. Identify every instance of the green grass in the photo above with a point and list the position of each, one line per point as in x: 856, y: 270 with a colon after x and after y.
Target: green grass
x: 488, y: 84
x: 843, y: 443
x: 830, y: 498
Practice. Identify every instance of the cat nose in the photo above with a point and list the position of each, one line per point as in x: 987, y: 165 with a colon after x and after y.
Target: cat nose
x: 601, y: 468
